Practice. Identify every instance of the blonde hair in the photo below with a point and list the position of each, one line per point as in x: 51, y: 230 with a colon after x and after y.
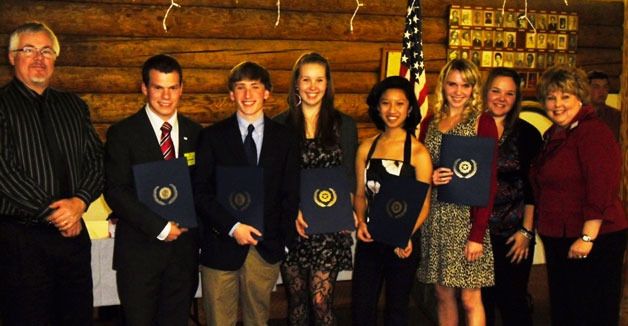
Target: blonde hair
x: 471, y: 75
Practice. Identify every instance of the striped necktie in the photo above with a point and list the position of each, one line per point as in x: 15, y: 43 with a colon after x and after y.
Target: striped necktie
x: 166, y: 144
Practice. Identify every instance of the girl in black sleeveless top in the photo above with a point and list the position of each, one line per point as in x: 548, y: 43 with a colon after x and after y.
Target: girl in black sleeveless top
x: 394, y: 110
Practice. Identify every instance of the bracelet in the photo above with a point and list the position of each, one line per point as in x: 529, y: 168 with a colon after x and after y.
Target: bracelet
x: 529, y: 235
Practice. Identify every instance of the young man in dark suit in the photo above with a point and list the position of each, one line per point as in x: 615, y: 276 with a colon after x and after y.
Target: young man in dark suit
x: 236, y: 267
x: 156, y: 260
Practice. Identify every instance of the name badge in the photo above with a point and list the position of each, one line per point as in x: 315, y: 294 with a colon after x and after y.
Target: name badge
x: 190, y: 158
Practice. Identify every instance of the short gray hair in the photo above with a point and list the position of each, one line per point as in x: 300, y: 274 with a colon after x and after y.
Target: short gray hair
x: 33, y: 27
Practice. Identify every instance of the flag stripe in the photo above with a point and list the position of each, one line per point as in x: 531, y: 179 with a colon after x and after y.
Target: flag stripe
x: 412, y: 61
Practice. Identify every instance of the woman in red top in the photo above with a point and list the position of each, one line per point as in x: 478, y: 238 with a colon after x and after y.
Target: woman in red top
x: 580, y: 217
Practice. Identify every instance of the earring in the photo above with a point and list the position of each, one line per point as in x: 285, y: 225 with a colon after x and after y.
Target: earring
x: 299, y: 99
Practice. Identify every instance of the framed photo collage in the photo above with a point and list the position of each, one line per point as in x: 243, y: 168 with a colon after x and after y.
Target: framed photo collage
x: 492, y: 38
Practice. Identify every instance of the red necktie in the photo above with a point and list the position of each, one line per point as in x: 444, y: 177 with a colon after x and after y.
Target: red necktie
x: 166, y: 144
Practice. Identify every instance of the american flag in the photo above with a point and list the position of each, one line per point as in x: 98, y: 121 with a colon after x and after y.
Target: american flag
x: 412, y: 66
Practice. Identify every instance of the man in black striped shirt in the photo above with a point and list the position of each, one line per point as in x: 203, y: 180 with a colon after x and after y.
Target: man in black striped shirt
x: 51, y: 168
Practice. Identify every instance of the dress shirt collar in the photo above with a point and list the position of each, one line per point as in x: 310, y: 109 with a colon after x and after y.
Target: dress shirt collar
x: 243, y: 125
x: 156, y: 122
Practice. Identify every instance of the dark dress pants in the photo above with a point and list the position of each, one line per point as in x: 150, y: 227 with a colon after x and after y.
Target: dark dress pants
x: 161, y: 293
x: 45, y: 278
x: 585, y: 291
x: 376, y: 264
x: 510, y: 294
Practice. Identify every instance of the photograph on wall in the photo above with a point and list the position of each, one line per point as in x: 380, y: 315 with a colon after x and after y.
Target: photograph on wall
x: 560, y: 59
x: 572, y: 42
x: 477, y: 38
x: 572, y: 22
x: 499, y: 19
x: 552, y: 22
x: 454, y: 17
x: 452, y: 54
x: 464, y: 54
x: 562, y: 42
x: 522, y: 23
x: 466, y: 17
x: 541, y: 22
x: 550, y: 60
x: 541, y: 42
x: 488, y: 39
x: 519, y: 59
x: 478, y: 17
x: 540, y: 60
x: 509, y: 59
x: 476, y: 57
x: 551, y: 41
x: 530, y: 60
x: 511, y: 40
x: 498, y: 59
x: 488, y: 18
x: 528, y: 42
x: 466, y: 37
x: 562, y: 23
x: 454, y: 38
x: 499, y: 39
x: 510, y: 19
x: 487, y: 59
x: 571, y: 60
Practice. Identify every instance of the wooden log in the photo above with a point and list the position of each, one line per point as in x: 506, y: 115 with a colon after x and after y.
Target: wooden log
x: 608, y: 37
x: 127, y: 80
x: 132, y: 20
x: 379, y: 7
x: 589, y: 11
x: 365, y: 130
x: 219, y: 53
x: 207, y: 108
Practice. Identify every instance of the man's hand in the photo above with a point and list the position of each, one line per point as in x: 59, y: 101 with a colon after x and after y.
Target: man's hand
x: 73, y: 231
x: 175, y: 232
x: 67, y: 213
x: 245, y: 234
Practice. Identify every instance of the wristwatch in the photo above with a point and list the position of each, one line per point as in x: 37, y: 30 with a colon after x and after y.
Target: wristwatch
x: 586, y: 238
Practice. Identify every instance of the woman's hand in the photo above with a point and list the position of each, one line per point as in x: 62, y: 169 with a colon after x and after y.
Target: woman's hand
x: 580, y: 249
x: 473, y: 251
x: 300, y: 225
x: 441, y: 176
x: 404, y: 252
x: 519, y: 249
x: 363, y: 232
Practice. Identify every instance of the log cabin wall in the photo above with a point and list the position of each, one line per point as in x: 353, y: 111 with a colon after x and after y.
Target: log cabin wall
x: 105, y: 42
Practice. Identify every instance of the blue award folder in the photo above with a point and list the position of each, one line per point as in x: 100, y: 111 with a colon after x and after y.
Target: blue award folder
x: 395, y: 209
x: 240, y: 190
x: 326, y: 200
x: 471, y: 160
x: 164, y: 186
